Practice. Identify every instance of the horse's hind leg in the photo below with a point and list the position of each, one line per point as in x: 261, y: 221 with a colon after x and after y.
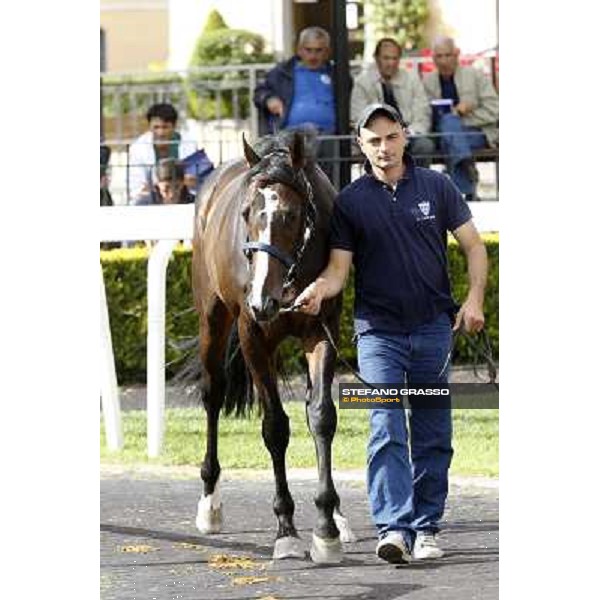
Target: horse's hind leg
x: 215, y: 325
x: 276, y: 435
x: 332, y: 527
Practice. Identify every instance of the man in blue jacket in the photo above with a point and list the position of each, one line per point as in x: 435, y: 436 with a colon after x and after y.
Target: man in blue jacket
x: 298, y: 93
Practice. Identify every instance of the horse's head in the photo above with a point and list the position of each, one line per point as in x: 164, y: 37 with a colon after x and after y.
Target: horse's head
x: 279, y: 213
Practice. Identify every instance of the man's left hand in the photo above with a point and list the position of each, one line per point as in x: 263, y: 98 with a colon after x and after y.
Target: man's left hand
x: 470, y: 316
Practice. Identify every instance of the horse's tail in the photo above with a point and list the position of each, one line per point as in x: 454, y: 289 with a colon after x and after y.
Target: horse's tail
x: 239, y: 389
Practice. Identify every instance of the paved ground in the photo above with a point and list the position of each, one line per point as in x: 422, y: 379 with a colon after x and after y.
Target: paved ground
x: 150, y: 548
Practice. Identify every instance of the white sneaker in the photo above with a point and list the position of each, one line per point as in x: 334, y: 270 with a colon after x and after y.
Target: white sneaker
x: 393, y: 549
x: 426, y: 547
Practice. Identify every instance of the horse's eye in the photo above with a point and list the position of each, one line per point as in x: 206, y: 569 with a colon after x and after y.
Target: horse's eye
x: 289, y: 218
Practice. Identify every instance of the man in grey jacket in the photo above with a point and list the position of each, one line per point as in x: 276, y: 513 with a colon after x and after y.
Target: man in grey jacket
x: 385, y: 82
x: 471, y: 121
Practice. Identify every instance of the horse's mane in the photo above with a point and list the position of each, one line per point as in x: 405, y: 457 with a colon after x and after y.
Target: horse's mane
x: 275, y: 167
x: 286, y: 140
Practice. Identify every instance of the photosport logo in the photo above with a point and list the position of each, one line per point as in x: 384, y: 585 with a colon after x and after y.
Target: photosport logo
x: 401, y: 395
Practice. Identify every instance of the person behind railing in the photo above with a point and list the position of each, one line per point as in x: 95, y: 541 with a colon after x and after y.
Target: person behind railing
x: 298, y: 93
x: 384, y: 81
x: 169, y: 187
x: 105, y: 196
x: 469, y: 120
x: 161, y: 141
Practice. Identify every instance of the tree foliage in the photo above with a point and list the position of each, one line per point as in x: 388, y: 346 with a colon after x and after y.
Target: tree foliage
x: 404, y: 20
x: 222, y: 95
x: 229, y: 47
x: 214, y: 22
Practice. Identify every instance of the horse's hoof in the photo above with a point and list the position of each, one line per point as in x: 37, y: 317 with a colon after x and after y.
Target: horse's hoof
x: 326, y: 550
x: 346, y: 534
x: 289, y: 547
x: 208, y: 519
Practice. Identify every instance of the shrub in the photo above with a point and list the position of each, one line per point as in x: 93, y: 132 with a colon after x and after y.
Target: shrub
x: 214, y: 21
x: 220, y: 47
x: 404, y: 20
x: 125, y: 272
x: 125, y: 278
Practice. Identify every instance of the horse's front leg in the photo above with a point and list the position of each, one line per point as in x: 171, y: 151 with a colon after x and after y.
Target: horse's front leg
x: 276, y: 435
x: 331, y: 527
x: 214, y: 330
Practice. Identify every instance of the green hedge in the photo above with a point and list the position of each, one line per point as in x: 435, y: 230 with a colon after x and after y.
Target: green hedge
x: 125, y: 274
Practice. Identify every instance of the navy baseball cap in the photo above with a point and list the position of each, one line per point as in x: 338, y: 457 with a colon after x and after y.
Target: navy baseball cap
x: 382, y: 109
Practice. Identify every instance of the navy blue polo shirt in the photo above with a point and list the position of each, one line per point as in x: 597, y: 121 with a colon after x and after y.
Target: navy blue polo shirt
x: 398, y: 239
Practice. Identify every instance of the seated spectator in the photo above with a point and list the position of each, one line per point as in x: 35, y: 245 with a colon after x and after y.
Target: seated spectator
x: 471, y: 122
x: 161, y: 141
x: 169, y: 187
x: 105, y: 196
x: 385, y: 82
x: 298, y: 93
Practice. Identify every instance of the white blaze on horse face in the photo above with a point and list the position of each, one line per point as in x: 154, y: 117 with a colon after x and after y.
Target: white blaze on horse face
x: 261, y: 269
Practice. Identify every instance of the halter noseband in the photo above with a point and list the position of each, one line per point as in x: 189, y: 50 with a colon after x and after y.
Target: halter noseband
x: 274, y: 251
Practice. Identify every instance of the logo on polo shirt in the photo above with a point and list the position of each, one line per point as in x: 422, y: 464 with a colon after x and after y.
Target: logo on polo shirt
x: 424, y: 211
x: 325, y: 79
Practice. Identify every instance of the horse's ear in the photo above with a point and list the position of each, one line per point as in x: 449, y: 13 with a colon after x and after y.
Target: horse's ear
x: 251, y: 157
x: 297, y: 150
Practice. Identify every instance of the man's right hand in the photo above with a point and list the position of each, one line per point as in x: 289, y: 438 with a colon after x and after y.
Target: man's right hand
x: 463, y: 108
x: 275, y: 106
x: 327, y: 285
x: 309, y: 301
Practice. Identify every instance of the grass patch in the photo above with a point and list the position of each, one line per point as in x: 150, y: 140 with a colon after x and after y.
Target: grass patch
x: 241, y: 445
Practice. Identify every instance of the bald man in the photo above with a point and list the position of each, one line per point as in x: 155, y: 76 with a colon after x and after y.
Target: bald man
x: 472, y: 121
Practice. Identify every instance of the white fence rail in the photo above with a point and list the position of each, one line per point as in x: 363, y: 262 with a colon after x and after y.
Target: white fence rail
x: 168, y: 224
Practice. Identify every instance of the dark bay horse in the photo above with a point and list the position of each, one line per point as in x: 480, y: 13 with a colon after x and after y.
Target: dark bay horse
x: 260, y: 237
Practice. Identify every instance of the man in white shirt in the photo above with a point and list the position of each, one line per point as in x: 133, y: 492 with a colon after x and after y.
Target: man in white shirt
x: 161, y: 141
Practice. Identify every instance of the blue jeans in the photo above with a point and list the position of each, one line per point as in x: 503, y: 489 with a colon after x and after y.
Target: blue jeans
x: 458, y: 142
x: 408, y: 489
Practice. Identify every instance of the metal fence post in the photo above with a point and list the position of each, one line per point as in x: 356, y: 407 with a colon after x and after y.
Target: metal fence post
x: 157, y: 285
x: 109, y: 392
x: 253, y: 109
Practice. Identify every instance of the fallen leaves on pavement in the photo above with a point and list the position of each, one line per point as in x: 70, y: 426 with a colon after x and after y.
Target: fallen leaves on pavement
x: 226, y: 561
x: 189, y: 546
x: 139, y: 549
x: 251, y: 580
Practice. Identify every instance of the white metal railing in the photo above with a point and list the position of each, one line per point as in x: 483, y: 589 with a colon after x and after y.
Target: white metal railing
x: 168, y: 224
x: 227, y: 147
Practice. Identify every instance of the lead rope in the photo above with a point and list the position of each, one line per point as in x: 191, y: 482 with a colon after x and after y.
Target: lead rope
x: 333, y: 344
x: 482, y: 349
x: 486, y: 354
